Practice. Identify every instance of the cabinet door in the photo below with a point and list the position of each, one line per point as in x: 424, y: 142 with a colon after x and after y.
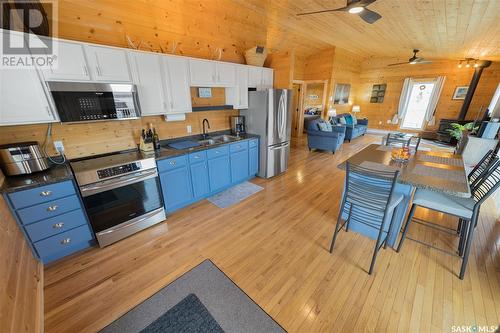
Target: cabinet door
x: 176, y: 188
x: 267, y: 78
x: 239, y: 166
x: 71, y: 63
x: 253, y: 158
x: 147, y: 76
x: 177, y: 84
x: 226, y: 75
x: 202, y: 73
x: 108, y: 64
x: 219, y: 173
x: 199, y: 177
x: 242, y: 86
x: 254, y: 77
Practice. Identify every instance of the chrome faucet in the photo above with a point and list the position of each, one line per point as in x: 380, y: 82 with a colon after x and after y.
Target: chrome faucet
x: 205, y: 134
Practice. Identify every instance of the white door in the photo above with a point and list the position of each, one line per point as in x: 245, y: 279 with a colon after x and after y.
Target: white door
x: 70, y: 65
x: 23, y: 98
x: 177, y: 78
x: 202, y: 73
x: 226, y: 74
x: 267, y: 78
x: 254, y: 77
x: 148, y: 77
x: 108, y: 64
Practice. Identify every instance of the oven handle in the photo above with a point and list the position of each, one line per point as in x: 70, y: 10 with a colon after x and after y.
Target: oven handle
x: 129, y: 224
x: 114, y: 183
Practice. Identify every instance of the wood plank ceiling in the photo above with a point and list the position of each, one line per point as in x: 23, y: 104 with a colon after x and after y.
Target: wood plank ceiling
x: 442, y: 29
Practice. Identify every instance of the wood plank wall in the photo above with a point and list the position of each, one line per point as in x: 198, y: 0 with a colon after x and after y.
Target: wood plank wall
x: 283, y: 64
x: 21, y: 284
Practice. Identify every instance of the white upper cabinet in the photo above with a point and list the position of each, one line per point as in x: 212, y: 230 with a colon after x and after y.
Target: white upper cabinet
x: 177, y: 79
x: 254, y: 77
x: 108, y: 64
x: 147, y: 75
x: 202, y: 73
x: 267, y: 77
x: 23, y: 97
x: 71, y: 64
x: 226, y: 74
x: 238, y: 96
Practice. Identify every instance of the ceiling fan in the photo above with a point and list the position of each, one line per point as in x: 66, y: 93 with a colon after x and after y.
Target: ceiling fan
x: 413, y: 60
x: 354, y: 7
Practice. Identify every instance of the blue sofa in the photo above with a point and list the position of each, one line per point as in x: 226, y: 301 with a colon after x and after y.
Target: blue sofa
x: 330, y: 141
x: 352, y: 131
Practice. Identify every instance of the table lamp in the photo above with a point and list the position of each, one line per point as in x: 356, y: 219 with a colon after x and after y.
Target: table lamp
x: 356, y: 108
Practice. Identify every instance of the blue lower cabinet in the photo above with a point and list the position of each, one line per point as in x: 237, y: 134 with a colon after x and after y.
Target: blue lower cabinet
x: 176, y: 188
x: 239, y: 166
x: 55, y: 225
x: 219, y: 173
x: 199, y: 178
x: 48, y: 209
x: 253, y: 161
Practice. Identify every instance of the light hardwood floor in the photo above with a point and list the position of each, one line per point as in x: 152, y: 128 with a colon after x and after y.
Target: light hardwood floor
x: 274, y: 246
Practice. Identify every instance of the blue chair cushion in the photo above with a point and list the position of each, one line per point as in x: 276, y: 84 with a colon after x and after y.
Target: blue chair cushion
x: 325, y: 126
x: 461, y: 207
x: 348, y: 119
x: 342, y: 121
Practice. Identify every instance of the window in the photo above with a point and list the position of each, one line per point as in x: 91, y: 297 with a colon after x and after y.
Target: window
x: 418, y: 103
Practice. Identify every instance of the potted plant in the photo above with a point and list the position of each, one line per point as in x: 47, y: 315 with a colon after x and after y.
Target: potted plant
x: 460, y: 132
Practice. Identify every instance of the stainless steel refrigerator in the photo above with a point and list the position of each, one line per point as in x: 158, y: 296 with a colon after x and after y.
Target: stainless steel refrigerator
x: 269, y: 115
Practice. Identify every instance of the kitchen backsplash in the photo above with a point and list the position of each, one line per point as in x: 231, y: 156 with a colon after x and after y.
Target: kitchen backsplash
x: 101, y: 137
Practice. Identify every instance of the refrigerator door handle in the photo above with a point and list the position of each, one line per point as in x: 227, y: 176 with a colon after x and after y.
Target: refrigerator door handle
x: 285, y: 145
x: 284, y: 114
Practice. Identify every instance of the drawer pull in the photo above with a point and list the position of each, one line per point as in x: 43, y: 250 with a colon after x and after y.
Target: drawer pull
x: 65, y: 241
x: 52, y: 208
x: 196, y: 156
x: 58, y: 225
x: 172, y: 162
x: 45, y: 193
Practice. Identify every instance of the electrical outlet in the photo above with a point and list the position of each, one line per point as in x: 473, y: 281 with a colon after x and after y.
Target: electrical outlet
x: 59, y: 146
x: 189, y: 129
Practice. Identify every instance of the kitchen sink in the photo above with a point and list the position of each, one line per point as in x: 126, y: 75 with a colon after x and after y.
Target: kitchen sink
x: 225, y: 138
x: 208, y: 142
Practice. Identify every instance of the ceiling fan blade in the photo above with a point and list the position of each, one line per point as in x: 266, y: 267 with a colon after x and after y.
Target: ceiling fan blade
x: 369, y: 16
x: 324, y: 11
x: 398, y: 63
x: 423, y: 61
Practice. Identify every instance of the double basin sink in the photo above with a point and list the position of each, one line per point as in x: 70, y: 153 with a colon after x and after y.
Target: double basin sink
x: 218, y: 140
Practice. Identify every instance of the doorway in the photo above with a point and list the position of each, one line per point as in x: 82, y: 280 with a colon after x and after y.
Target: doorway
x: 308, y: 103
x: 296, y: 107
x: 418, y: 102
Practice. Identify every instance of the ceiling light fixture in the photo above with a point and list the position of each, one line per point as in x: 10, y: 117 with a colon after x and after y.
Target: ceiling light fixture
x: 355, y: 10
x: 467, y: 65
x: 460, y: 64
x: 476, y: 64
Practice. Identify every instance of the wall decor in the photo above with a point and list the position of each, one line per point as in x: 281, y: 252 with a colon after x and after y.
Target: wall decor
x: 460, y: 92
x: 378, y: 93
x: 313, y: 96
x: 341, y: 95
x: 204, y: 92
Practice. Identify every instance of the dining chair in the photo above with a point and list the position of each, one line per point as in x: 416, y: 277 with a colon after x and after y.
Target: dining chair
x: 481, y: 167
x: 466, y: 209
x: 368, y: 200
x: 414, y: 142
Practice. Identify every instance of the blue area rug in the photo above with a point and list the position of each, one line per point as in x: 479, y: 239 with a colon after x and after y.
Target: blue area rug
x: 234, y: 195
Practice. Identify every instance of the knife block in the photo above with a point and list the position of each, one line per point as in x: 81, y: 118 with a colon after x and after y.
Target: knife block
x: 146, y: 146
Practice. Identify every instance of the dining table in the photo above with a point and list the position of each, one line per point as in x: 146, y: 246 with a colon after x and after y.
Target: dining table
x: 442, y: 172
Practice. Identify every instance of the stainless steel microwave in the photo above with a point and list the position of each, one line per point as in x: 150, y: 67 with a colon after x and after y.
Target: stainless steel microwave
x: 86, y: 101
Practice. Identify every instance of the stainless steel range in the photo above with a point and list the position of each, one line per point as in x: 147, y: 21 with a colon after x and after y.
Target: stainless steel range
x: 121, y: 193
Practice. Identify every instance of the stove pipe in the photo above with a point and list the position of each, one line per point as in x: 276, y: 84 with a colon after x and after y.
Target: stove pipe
x: 472, y: 88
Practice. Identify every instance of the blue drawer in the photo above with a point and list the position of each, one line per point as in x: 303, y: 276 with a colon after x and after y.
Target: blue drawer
x: 253, y: 143
x: 55, y: 225
x: 199, y: 156
x: 238, y: 146
x: 219, y: 151
x: 41, y: 194
x: 48, y: 209
x: 172, y: 163
x: 64, y: 243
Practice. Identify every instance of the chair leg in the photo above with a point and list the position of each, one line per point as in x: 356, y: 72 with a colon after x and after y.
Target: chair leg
x: 375, y: 251
x: 348, y: 218
x: 459, y: 226
x: 337, y: 227
x: 410, y: 217
x: 463, y: 232
x: 390, y: 227
x: 468, y: 244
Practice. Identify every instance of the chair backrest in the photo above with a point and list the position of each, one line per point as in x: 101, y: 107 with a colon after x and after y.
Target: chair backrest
x: 481, y: 167
x: 415, y: 142
x: 369, y: 191
x: 313, y: 124
x: 488, y: 183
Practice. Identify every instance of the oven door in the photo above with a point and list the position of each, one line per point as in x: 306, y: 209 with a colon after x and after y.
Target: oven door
x: 121, y: 200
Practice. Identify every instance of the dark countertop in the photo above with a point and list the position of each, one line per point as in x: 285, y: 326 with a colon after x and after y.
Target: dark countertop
x: 435, y: 171
x: 55, y: 174
x: 58, y: 173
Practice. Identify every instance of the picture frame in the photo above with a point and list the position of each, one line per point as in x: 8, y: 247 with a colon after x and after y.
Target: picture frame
x: 204, y: 92
x: 342, y: 91
x: 378, y: 93
x: 460, y: 92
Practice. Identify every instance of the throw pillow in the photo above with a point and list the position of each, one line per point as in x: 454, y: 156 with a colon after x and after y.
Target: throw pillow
x: 348, y: 119
x: 325, y: 127
x: 342, y: 121
x: 354, y: 120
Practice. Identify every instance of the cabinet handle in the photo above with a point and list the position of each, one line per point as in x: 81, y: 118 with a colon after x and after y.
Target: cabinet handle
x: 172, y: 162
x: 52, y: 208
x: 196, y: 156
x: 98, y: 70
x: 85, y: 70
x: 58, y: 225
x: 65, y: 241
x: 45, y: 193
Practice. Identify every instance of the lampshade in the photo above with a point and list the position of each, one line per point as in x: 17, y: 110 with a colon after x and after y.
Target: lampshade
x: 356, y: 108
x: 332, y: 112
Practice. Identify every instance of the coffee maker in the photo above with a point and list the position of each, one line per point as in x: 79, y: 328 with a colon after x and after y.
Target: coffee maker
x: 238, y: 125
